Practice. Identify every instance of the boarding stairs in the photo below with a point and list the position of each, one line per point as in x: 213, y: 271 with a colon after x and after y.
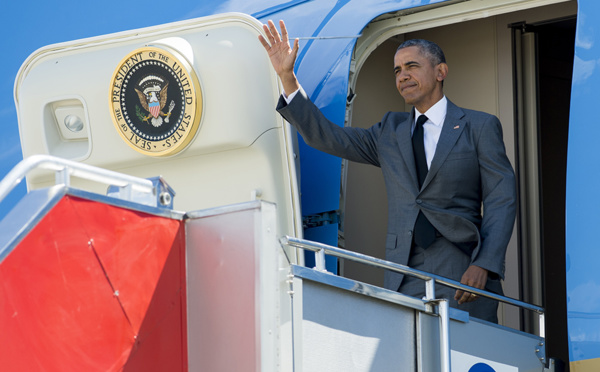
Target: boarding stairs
x: 221, y: 294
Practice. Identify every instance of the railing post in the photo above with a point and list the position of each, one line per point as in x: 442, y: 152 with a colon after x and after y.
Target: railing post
x: 320, y: 260
x: 444, y: 312
x: 542, y: 323
x: 430, y: 289
x: 63, y: 177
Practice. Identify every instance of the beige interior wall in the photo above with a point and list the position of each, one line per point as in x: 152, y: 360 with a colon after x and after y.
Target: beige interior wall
x: 470, y: 50
x: 478, y: 53
x: 365, y: 221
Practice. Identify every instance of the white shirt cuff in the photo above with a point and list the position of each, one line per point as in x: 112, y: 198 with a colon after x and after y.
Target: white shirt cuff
x: 289, y: 98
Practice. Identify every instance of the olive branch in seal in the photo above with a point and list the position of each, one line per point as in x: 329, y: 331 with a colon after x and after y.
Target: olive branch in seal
x: 140, y: 114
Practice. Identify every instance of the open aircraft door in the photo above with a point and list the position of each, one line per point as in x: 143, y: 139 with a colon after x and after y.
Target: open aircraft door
x: 192, y: 101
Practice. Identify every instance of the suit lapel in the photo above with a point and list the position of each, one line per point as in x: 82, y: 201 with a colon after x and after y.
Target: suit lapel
x: 403, y: 133
x: 454, y: 124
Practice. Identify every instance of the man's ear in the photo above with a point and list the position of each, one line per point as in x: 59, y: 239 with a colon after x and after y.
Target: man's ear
x: 442, y: 72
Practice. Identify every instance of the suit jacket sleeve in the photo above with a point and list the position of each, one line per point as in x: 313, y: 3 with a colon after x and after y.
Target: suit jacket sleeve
x: 356, y: 144
x: 498, y: 190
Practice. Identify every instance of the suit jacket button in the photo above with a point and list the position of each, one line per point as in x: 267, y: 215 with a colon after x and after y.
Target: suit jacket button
x: 409, y: 232
x: 419, y: 201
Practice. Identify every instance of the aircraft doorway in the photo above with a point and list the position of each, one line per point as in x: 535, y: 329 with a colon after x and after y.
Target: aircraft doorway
x: 481, y: 56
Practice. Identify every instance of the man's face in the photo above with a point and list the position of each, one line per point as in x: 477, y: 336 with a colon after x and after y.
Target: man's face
x: 417, y: 80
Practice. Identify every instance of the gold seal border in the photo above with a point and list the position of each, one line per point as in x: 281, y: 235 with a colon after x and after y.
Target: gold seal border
x: 192, y: 114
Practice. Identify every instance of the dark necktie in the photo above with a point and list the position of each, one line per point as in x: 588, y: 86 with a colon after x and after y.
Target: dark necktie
x: 424, y: 232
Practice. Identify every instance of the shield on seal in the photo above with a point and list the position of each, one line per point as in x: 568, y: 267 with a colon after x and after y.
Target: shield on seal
x: 154, y: 108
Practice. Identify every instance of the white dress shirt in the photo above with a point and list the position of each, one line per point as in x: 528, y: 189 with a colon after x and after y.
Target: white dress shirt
x: 432, y: 127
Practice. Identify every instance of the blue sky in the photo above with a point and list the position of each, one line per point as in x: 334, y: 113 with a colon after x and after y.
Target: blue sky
x: 30, y: 25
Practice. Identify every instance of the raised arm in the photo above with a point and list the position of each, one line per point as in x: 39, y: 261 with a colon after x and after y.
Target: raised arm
x: 281, y: 54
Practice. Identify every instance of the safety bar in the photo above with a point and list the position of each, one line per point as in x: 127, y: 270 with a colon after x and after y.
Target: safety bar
x: 430, y: 279
x: 65, y: 169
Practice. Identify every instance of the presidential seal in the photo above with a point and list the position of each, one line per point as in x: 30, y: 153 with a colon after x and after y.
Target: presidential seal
x: 155, y: 101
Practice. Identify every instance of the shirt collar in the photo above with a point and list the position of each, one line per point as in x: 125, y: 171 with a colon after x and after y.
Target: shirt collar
x: 436, y: 113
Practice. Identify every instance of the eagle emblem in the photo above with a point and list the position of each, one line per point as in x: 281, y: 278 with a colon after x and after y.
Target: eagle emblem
x: 152, y: 93
x: 156, y: 101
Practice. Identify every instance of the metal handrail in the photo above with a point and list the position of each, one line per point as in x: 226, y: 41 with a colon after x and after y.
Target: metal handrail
x: 431, y: 279
x: 65, y: 169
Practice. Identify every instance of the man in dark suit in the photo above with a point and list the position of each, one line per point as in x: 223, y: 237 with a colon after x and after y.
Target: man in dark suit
x: 441, y: 165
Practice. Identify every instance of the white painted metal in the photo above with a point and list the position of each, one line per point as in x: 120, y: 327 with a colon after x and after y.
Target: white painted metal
x: 233, y: 290
x: 443, y: 307
x: 243, y: 150
x: 344, y: 331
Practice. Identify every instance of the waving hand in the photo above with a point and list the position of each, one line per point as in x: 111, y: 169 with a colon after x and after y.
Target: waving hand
x: 282, y: 56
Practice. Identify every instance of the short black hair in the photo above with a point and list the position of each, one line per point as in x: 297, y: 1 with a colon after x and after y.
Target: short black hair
x: 432, y: 51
